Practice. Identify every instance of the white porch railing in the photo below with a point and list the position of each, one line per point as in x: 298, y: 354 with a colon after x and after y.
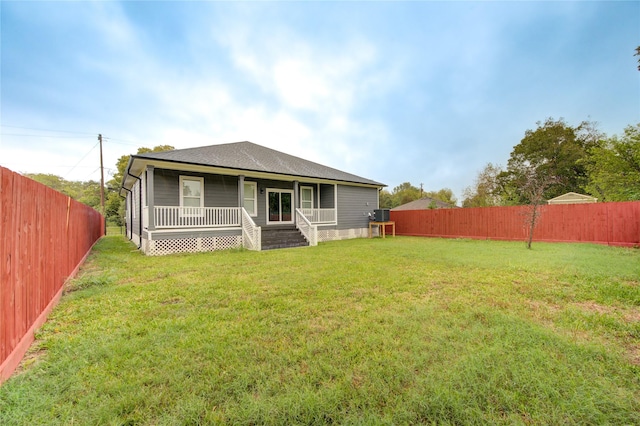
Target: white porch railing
x: 320, y: 216
x: 192, y: 217
x: 309, y: 230
x: 251, y: 234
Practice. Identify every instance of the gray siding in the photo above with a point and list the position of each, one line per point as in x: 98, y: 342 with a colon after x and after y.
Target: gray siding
x: 133, y: 212
x: 326, y: 196
x: 219, y: 190
x: 354, y: 205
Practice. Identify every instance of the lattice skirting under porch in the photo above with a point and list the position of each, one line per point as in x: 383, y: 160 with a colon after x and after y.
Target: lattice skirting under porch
x: 342, y: 234
x: 191, y: 245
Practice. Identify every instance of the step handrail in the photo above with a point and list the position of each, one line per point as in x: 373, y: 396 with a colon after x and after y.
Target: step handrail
x: 251, y: 233
x: 308, y: 230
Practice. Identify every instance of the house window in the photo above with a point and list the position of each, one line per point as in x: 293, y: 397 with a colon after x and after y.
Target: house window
x: 191, y: 193
x: 306, y: 197
x: 251, y: 198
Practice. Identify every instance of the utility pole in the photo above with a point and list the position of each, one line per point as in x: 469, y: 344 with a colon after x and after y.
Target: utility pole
x: 101, y: 177
x: 421, y: 185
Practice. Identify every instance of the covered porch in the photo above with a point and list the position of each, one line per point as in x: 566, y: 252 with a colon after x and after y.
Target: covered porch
x: 159, y: 220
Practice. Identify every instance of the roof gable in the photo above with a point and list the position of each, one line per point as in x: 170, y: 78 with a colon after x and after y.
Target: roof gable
x: 572, y: 198
x: 253, y: 157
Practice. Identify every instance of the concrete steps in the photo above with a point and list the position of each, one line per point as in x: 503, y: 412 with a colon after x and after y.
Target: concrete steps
x: 282, y: 238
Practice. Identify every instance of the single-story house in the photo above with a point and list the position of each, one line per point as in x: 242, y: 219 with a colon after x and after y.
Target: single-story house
x: 423, y: 204
x: 572, y: 198
x: 240, y: 195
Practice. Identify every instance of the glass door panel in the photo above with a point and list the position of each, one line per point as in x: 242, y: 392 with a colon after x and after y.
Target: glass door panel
x: 280, y: 206
x: 285, y: 207
x: 274, y: 206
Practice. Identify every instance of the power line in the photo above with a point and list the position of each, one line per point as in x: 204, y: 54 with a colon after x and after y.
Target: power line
x: 105, y: 138
x: 85, y: 156
x: 122, y: 141
x: 43, y: 136
x: 47, y: 130
x: 90, y: 174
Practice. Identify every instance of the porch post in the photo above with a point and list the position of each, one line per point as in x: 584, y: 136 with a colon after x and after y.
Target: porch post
x: 150, y: 199
x: 241, y: 191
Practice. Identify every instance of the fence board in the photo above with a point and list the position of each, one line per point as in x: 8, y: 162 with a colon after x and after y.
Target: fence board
x: 44, y: 237
x: 603, y: 223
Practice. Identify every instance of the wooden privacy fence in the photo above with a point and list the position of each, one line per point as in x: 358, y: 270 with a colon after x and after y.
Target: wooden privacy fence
x: 44, y: 237
x: 615, y: 224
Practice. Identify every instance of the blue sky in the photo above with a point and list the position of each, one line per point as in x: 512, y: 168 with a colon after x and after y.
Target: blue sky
x: 424, y: 92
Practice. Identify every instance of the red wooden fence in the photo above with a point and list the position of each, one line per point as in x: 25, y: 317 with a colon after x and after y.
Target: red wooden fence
x: 44, y: 237
x: 604, y: 223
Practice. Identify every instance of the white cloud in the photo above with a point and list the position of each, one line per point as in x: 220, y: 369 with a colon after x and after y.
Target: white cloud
x: 317, y: 89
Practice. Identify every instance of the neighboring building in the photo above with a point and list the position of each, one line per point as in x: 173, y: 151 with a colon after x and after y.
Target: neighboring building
x: 572, y: 198
x: 424, y: 204
x: 240, y: 195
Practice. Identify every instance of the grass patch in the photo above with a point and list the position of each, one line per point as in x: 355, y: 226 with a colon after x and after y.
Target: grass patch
x: 88, y: 280
x: 395, y: 331
x: 115, y: 230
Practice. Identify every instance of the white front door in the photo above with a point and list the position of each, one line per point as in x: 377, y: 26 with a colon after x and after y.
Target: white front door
x: 279, y: 206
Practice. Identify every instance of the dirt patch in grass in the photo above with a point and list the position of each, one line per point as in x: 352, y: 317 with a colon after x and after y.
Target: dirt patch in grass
x: 634, y: 355
x: 31, y: 358
x: 595, y: 307
x: 629, y: 315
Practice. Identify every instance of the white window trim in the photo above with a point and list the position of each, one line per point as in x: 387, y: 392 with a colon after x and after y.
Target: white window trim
x: 302, y: 188
x: 255, y: 197
x: 293, y: 210
x: 201, y: 179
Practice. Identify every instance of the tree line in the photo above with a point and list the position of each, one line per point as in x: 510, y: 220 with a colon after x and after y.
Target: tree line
x: 406, y: 192
x: 553, y: 159
x: 89, y: 192
x: 557, y: 158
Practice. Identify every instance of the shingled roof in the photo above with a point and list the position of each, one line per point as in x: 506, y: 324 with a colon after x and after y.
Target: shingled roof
x: 252, y: 157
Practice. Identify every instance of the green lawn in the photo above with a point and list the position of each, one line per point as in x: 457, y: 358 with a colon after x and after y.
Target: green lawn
x: 395, y: 331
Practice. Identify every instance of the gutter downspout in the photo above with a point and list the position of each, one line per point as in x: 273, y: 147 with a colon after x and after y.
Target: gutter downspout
x: 139, y: 209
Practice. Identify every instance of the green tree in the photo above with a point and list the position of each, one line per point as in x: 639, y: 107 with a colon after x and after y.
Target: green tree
x: 405, y: 193
x: 402, y: 194
x: 114, y: 204
x: 533, y: 186
x: 614, y: 167
x: 485, y: 190
x: 554, y: 149
x: 85, y: 192
x: 638, y: 54
x: 445, y: 195
x: 89, y: 193
x: 386, y: 200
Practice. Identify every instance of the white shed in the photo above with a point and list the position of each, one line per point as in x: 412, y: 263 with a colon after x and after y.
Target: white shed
x: 572, y: 198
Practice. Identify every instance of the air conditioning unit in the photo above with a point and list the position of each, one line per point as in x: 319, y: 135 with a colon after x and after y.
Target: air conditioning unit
x: 381, y: 215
